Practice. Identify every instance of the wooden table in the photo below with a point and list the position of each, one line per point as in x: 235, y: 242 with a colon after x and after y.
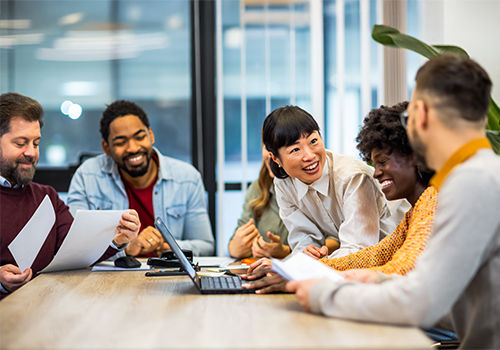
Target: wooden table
x: 126, y: 310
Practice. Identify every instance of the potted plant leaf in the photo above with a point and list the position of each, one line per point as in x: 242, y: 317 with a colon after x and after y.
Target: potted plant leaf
x: 389, y: 36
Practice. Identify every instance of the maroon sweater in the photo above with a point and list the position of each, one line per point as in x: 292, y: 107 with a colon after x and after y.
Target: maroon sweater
x: 16, y: 208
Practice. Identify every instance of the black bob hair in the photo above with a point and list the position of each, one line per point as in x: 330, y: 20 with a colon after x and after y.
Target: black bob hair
x: 283, y: 127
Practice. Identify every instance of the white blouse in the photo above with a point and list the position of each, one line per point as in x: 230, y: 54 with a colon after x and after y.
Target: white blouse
x: 346, y: 202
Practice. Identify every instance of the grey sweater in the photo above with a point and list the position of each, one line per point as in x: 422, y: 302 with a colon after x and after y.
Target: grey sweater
x: 459, y: 271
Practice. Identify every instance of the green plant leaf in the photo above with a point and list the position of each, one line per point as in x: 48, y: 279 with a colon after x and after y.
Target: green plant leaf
x: 392, y: 37
x: 451, y: 49
x: 493, y: 116
x: 382, y: 34
x: 494, y: 137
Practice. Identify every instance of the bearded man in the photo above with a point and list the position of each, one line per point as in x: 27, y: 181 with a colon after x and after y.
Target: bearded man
x: 20, y: 124
x: 134, y: 174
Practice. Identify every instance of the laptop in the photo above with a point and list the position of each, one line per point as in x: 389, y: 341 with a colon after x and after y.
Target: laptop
x: 206, y: 285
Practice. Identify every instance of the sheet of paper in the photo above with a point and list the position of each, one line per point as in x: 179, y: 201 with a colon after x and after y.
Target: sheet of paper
x: 300, y: 266
x: 213, y: 261
x: 25, y: 247
x: 88, y: 238
x: 210, y: 273
x: 110, y: 266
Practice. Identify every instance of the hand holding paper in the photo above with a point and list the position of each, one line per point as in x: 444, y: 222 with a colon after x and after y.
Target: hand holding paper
x: 12, y: 278
x: 299, y: 266
x: 88, y: 238
x: 302, y: 271
x: 128, y: 228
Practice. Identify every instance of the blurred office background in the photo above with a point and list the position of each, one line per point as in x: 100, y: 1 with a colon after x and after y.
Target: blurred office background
x: 208, y: 72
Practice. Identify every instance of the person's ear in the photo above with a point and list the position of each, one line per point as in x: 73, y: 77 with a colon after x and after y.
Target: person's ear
x: 275, y: 159
x: 151, y: 135
x: 105, y: 148
x: 421, y: 115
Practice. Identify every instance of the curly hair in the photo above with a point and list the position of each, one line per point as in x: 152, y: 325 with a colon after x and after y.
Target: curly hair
x: 117, y: 109
x: 382, y: 129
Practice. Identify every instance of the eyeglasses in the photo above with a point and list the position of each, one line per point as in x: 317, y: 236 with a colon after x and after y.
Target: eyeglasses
x: 404, y: 118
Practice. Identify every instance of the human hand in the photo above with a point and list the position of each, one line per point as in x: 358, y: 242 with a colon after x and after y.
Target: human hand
x: 11, y: 277
x: 275, y: 248
x: 315, y: 252
x: 258, y: 269
x: 128, y: 228
x: 361, y: 275
x: 241, y: 244
x: 302, y: 289
x: 149, y: 239
x: 272, y: 282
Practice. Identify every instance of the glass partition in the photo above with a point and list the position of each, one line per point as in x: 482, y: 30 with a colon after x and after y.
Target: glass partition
x: 75, y: 57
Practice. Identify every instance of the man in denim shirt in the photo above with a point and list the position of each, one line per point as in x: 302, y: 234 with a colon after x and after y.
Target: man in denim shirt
x: 134, y: 174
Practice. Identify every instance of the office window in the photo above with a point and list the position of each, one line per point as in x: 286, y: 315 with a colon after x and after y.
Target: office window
x: 353, y: 66
x: 346, y: 50
x: 266, y: 63
x: 75, y: 57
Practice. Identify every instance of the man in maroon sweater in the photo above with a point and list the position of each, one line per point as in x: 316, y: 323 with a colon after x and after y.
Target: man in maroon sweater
x: 20, y: 123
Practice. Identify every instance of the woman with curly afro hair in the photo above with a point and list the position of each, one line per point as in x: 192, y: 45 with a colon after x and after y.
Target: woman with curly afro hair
x: 383, y: 142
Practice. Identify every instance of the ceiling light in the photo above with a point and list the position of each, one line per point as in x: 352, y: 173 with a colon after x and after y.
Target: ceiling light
x: 72, y: 18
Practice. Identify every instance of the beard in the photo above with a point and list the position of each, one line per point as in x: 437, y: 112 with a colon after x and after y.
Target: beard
x: 18, y: 176
x: 419, y: 150
x: 135, y: 171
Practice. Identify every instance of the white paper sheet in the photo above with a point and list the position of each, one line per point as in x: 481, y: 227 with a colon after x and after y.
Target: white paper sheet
x: 88, y: 238
x: 110, y: 266
x: 25, y: 247
x: 213, y: 261
x: 300, y: 266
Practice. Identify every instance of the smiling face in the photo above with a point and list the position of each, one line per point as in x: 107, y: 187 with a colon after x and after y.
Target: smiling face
x: 396, y: 174
x: 130, y: 144
x: 19, y: 151
x: 304, y: 159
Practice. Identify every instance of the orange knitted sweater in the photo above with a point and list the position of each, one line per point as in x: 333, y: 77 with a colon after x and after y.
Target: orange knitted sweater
x: 398, y: 252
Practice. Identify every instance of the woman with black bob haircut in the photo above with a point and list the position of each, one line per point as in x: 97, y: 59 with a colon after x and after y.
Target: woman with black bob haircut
x: 321, y: 193
x: 282, y: 128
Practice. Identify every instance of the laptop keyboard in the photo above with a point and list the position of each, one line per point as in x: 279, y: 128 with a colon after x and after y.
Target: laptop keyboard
x: 220, y: 283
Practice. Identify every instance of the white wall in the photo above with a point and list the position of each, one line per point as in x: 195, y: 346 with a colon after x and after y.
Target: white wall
x: 470, y: 24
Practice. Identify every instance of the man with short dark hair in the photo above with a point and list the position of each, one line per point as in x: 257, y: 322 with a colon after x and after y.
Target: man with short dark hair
x: 20, y: 124
x: 458, y: 271
x: 132, y: 173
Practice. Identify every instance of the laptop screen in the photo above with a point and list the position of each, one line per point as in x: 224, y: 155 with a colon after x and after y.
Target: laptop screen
x: 186, y: 265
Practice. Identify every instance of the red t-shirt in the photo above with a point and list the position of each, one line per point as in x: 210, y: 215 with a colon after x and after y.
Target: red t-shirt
x: 141, y: 199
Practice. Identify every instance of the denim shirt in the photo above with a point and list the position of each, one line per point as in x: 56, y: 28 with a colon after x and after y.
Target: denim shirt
x: 178, y: 197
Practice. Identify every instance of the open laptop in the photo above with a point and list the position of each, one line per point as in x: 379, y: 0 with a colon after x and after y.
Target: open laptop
x: 206, y: 285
